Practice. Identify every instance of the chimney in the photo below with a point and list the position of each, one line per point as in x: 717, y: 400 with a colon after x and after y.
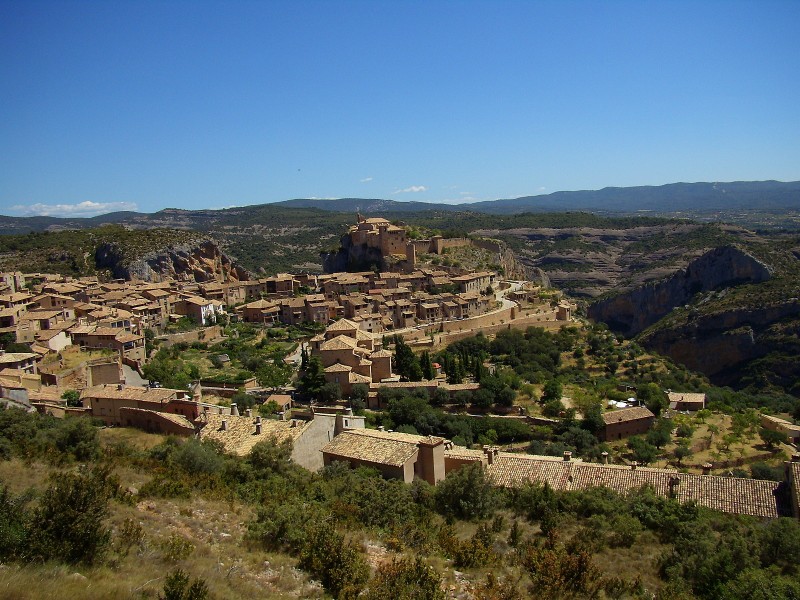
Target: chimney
x: 605, y: 457
x: 234, y: 410
x: 224, y: 425
x: 634, y: 464
x: 431, y: 459
x: 258, y: 427
x: 567, y: 455
x: 707, y: 468
x: 487, y: 451
x: 120, y: 386
x: 248, y: 412
x: 258, y: 420
x: 381, y: 428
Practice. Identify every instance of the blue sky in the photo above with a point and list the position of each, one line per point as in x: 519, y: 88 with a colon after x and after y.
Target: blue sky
x: 146, y: 105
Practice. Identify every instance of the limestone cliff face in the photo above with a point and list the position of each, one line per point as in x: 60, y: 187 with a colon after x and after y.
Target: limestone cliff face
x: 199, y: 262
x: 352, y: 257
x: 720, y: 345
x: 631, y: 312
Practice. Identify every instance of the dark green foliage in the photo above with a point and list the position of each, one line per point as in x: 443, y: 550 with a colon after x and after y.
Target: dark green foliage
x: 177, y: 587
x: 72, y: 397
x: 13, y: 525
x: 641, y: 450
x: 273, y: 375
x: 653, y: 397
x: 660, y: 434
x: 427, y: 366
x: 406, y: 362
x: 772, y: 438
x: 760, y: 470
x: 758, y: 584
x: 330, y: 392
x: 313, y: 378
x: 335, y: 561
x: 59, y: 440
x: 79, y: 438
x: 551, y: 392
x: 405, y: 579
x: 68, y: 523
x: 708, y: 555
x: 466, y: 494
x: 780, y: 545
x: 476, y: 551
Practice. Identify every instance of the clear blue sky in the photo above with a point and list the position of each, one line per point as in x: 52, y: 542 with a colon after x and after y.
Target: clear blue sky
x: 107, y: 105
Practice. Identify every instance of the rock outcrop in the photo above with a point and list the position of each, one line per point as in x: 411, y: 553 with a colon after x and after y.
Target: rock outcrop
x: 633, y: 311
x: 722, y: 345
x: 199, y: 262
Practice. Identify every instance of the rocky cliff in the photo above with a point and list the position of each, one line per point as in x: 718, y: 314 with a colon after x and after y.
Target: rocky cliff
x: 725, y: 345
x: 201, y: 261
x: 633, y: 311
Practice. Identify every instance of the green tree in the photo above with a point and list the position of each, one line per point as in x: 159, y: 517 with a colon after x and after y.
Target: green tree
x: 466, y: 494
x: 642, y: 451
x: 72, y: 397
x: 314, y: 377
x: 681, y: 451
x: 772, y: 438
x: 273, y: 376
x: 330, y: 392
x: 427, y: 366
x: 653, y: 397
x: 552, y: 391
x: 660, y: 434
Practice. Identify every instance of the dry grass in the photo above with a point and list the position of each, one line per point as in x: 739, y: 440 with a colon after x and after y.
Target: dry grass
x: 136, y: 438
x: 214, y: 531
x: 19, y: 475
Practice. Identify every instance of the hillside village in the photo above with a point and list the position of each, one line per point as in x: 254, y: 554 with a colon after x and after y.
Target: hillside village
x: 396, y: 367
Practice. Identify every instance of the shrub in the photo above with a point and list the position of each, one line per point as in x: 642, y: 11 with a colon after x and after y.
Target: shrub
x: 405, y: 579
x: 177, y: 587
x: 68, y: 525
x: 466, y: 494
x: 334, y: 561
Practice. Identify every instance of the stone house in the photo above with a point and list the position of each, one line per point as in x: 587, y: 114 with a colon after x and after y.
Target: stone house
x: 395, y: 455
x: 626, y: 422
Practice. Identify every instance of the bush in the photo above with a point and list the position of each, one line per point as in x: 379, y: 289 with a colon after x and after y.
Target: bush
x: 334, y: 561
x: 177, y: 587
x: 68, y: 525
x: 405, y: 579
x: 466, y: 494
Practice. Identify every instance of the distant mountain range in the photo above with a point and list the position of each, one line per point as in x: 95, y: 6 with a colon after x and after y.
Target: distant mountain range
x: 671, y: 199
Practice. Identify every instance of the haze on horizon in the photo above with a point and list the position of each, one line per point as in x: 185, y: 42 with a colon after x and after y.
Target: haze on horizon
x: 141, y: 106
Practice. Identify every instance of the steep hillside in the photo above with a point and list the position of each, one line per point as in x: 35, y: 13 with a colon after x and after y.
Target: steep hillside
x: 114, y: 251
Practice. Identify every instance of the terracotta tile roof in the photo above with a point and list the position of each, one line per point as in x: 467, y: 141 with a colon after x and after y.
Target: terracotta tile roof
x: 130, y: 392
x: 726, y: 494
x: 794, y: 475
x: 340, y: 342
x: 338, y: 368
x: 464, y: 453
x: 379, y: 447
x: 342, y: 325
x: 358, y: 378
x: 627, y: 414
x: 691, y: 397
x: 381, y: 354
x: 177, y: 419
x: 240, y: 435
